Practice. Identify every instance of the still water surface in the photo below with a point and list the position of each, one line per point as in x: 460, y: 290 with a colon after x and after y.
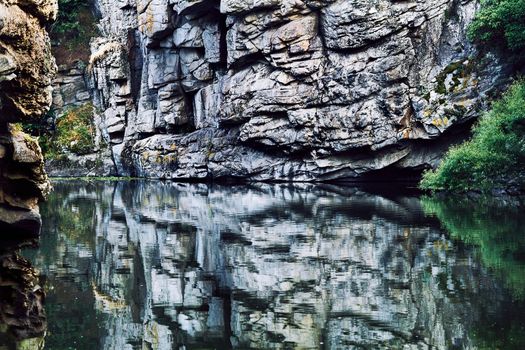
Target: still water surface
x: 160, y: 265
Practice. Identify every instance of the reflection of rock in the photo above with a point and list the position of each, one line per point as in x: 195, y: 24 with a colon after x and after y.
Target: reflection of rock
x: 22, y: 317
x: 26, y: 70
x: 270, y: 266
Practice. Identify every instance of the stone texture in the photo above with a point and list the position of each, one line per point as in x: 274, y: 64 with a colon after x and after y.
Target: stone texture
x: 22, y: 317
x: 286, y: 90
x: 70, y: 89
x: 26, y: 64
x: 26, y: 72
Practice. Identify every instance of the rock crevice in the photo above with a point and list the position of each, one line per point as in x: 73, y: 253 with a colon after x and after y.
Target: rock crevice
x: 26, y: 72
x: 285, y: 90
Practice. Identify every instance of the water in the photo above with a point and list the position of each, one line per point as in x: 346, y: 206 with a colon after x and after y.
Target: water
x: 159, y: 265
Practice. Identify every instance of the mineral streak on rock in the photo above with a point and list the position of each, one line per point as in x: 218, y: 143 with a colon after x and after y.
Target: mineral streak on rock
x: 285, y: 90
x: 26, y: 72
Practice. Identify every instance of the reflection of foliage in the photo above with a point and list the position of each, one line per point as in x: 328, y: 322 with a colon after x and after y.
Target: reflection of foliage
x: 498, y: 231
x: 70, y: 223
x: 495, y: 155
x: 74, y: 219
x: 65, y: 303
x: 510, y: 337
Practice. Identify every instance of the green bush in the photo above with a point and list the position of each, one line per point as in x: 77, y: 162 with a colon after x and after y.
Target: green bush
x: 75, y: 131
x: 500, y: 23
x: 494, y: 158
x: 72, y: 31
x: 68, y: 13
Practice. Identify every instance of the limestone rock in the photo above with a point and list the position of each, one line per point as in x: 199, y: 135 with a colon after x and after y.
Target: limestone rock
x: 26, y: 72
x: 287, y: 90
x: 27, y: 66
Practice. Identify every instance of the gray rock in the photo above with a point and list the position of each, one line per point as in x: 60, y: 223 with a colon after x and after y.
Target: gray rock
x: 289, y: 90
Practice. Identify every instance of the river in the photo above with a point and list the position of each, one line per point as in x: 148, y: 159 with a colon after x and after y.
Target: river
x: 163, y: 265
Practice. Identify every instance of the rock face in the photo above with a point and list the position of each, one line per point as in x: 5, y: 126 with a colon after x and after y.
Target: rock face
x: 26, y: 64
x: 282, y: 90
x: 70, y: 88
x: 26, y: 72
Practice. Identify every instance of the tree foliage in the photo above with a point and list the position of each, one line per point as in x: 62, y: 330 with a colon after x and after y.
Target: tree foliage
x: 68, y: 16
x: 500, y: 23
x: 73, y: 30
x: 75, y: 130
x: 494, y: 158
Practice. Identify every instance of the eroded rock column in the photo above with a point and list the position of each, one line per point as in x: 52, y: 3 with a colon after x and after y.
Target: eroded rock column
x: 26, y: 72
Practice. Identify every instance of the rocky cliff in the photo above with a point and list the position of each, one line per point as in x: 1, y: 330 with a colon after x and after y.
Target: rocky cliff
x: 26, y: 72
x: 281, y: 90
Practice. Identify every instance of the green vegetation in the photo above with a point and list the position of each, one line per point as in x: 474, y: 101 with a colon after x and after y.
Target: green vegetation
x: 500, y: 24
x: 497, y: 230
x: 494, y: 158
x: 71, y: 33
x: 74, y: 132
x: 67, y: 19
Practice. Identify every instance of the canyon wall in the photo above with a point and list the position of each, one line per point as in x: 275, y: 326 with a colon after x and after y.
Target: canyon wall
x: 27, y: 68
x: 283, y: 90
x: 26, y: 72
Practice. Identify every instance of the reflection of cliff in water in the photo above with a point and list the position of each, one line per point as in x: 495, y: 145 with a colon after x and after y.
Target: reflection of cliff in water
x: 266, y: 266
x: 22, y: 316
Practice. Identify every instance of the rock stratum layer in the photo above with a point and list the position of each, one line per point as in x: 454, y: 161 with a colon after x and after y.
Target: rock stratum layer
x: 285, y: 90
x: 27, y: 69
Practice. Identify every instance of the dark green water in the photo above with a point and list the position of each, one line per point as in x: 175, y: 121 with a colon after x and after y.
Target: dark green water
x: 157, y: 265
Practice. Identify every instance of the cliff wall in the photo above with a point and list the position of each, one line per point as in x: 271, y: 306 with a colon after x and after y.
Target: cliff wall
x: 26, y: 72
x: 281, y: 90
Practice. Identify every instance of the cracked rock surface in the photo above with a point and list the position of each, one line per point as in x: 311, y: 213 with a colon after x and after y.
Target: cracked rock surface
x: 26, y: 72
x: 282, y: 90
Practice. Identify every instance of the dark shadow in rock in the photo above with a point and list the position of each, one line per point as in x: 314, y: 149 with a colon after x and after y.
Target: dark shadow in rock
x: 22, y: 316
